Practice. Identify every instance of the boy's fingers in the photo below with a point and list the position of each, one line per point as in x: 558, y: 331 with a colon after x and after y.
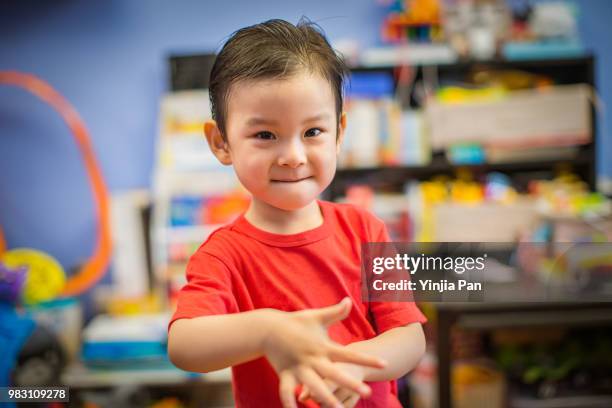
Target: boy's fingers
x: 331, y: 385
x: 317, y: 387
x: 287, y: 384
x: 341, y: 353
x: 344, y: 394
x: 335, y: 313
x: 342, y: 379
x: 351, y: 401
x: 304, y: 395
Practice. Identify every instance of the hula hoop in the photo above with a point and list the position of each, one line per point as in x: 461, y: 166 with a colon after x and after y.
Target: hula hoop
x: 95, y: 267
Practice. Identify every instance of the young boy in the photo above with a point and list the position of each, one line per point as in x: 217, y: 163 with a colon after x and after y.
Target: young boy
x: 277, y: 293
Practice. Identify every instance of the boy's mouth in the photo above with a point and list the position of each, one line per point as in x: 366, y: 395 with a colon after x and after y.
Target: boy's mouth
x: 290, y: 180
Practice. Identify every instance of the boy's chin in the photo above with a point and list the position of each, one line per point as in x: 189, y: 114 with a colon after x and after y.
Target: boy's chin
x: 289, y: 203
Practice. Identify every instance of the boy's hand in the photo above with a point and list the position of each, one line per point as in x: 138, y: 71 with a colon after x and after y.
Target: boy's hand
x: 301, y: 352
x: 347, y: 397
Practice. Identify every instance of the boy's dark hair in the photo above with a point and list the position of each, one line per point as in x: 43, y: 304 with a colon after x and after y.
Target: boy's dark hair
x: 273, y: 49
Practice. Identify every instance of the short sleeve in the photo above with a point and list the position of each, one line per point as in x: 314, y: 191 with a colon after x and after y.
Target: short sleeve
x: 208, y: 290
x: 388, y: 315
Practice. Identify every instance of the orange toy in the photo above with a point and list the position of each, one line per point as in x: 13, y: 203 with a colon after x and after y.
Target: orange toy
x: 97, y: 264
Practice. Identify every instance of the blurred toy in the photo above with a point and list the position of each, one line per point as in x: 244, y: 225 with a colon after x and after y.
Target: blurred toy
x: 126, y: 341
x: 413, y: 20
x: 31, y: 354
x: 434, y: 191
x: 63, y: 318
x: 96, y: 265
x: 477, y: 384
x: 499, y: 188
x: 14, y: 327
x: 14, y: 330
x: 11, y: 283
x: 141, y: 305
x: 466, y: 153
x: 185, y: 210
x: 467, y: 192
x: 554, y: 20
x: 569, y: 250
x: 41, y: 360
x: 460, y: 95
x: 521, y: 10
x: 544, y: 29
x: 224, y: 209
x: 446, y: 209
x: 45, y: 278
x: 191, y: 210
x: 567, y: 195
x: 476, y: 28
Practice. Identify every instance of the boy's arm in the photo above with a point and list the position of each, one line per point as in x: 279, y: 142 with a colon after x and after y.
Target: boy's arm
x: 402, y: 347
x: 295, y: 343
x: 210, y: 343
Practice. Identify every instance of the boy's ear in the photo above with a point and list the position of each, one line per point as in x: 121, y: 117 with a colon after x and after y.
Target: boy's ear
x: 216, y: 143
x: 341, y: 129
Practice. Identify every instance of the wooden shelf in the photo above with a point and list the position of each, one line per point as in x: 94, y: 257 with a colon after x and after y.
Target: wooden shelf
x: 398, y: 175
x: 79, y: 376
x: 592, y: 401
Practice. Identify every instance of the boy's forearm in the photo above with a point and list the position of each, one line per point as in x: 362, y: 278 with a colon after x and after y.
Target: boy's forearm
x: 210, y: 343
x: 402, y: 348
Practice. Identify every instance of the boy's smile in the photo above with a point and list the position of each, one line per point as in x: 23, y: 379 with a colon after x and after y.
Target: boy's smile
x: 294, y: 180
x: 283, y: 138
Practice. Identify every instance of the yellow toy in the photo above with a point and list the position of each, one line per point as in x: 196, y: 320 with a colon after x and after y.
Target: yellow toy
x: 45, y: 278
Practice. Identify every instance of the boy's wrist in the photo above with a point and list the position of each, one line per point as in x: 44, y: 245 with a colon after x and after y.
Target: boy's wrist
x: 362, y: 372
x: 266, y: 322
x: 354, y: 370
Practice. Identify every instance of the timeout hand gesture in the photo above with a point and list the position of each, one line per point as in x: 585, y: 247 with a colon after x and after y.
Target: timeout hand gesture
x: 301, y: 352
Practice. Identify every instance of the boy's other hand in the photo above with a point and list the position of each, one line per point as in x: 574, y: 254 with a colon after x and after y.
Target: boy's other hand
x: 347, y: 397
x: 299, y: 349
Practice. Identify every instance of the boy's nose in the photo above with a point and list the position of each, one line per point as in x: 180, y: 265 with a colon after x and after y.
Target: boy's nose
x: 292, y: 155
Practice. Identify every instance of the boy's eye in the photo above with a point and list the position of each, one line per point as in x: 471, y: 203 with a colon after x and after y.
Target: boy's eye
x: 264, y: 135
x: 312, y: 132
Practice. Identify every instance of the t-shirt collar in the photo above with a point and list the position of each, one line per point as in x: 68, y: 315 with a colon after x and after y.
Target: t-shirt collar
x: 242, y: 225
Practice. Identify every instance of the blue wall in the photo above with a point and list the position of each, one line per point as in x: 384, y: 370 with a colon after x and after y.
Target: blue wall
x: 108, y: 59
x: 596, y: 33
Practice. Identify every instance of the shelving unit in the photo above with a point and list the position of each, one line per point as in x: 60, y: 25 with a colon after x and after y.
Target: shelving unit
x: 562, y: 71
x: 210, y: 389
x: 78, y: 376
x: 507, y: 314
x: 186, y: 175
x: 511, y: 307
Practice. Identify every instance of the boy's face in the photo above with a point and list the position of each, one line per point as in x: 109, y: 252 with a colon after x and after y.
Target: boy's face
x: 282, y: 138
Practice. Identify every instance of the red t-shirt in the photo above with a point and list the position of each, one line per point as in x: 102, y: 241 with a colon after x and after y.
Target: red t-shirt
x: 241, y: 268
